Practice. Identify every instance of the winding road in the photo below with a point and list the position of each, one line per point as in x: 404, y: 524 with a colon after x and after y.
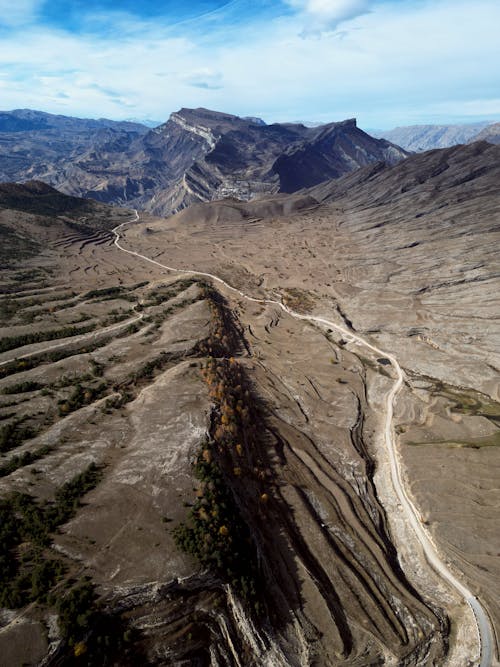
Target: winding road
x: 483, y: 624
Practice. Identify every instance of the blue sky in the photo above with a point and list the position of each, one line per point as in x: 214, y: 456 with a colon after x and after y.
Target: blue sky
x: 386, y: 62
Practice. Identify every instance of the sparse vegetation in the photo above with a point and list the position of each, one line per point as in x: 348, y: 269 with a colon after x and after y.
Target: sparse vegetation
x: 216, y: 532
x: 298, y: 300
x: 24, y: 459
x: 77, y: 610
x: 81, y: 396
x: 105, y: 291
x: 166, y: 292
x: 226, y: 337
x: 8, y: 308
x: 23, y: 387
x: 15, y: 246
x: 18, y: 365
x: 14, y: 434
x: 12, y: 342
x: 28, y: 574
x: 218, y: 536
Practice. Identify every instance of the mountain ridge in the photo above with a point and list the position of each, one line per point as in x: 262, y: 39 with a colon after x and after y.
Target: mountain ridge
x: 196, y: 155
x: 421, y: 138
x: 491, y: 134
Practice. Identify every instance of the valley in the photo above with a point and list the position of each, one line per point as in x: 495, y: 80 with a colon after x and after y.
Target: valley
x: 281, y: 450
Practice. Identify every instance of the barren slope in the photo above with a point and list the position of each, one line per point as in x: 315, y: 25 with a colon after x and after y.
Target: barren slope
x: 303, y: 555
x: 407, y: 256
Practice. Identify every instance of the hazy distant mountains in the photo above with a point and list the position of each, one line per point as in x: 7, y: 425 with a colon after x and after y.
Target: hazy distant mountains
x: 426, y: 137
x: 491, y: 134
x: 197, y: 155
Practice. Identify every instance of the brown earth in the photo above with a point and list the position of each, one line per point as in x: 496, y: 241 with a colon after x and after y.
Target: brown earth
x: 330, y: 537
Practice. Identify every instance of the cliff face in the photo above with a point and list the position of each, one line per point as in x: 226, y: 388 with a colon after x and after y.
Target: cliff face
x: 197, y: 155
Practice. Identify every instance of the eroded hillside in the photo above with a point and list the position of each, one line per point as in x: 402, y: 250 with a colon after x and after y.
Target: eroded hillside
x: 109, y: 396
x: 198, y: 478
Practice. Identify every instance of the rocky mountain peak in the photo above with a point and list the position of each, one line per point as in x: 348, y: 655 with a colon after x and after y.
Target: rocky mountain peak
x: 197, y: 155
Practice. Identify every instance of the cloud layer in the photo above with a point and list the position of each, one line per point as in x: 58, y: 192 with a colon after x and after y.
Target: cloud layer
x: 387, y: 63
x: 326, y: 15
x: 19, y: 12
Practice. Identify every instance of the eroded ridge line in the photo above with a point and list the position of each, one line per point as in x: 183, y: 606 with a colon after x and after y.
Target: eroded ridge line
x: 481, y: 619
x: 76, y: 339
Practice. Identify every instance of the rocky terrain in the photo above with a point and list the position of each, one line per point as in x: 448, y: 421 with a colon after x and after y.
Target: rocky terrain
x: 197, y: 155
x: 421, y: 138
x: 34, y: 143
x: 201, y: 478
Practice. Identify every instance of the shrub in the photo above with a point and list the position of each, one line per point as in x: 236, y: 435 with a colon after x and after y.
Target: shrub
x: 24, y: 459
x: 11, y: 342
x: 76, y: 612
x: 14, y: 434
x: 22, y: 387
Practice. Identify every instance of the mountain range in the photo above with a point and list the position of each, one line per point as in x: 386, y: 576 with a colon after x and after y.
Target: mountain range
x: 197, y: 155
x: 420, y: 138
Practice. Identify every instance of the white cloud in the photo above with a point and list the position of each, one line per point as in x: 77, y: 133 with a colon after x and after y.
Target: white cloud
x: 326, y: 15
x: 434, y: 61
x: 18, y: 12
x: 204, y: 77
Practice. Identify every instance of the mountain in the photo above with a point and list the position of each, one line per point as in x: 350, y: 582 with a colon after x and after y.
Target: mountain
x: 426, y: 137
x: 148, y: 122
x: 491, y: 134
x: 34, y: 144
x: 197, y: 155
x: 41, y: 199
x: 255, y: 120
x: 25, y: 120
x: 439, y: 178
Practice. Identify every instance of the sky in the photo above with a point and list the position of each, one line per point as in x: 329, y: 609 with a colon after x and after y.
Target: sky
x: 385, y: 62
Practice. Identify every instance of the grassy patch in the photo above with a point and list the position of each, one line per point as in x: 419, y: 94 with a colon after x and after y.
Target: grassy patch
x: 473, y: 443
x: 298, y: 300
x: 467, y: 401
